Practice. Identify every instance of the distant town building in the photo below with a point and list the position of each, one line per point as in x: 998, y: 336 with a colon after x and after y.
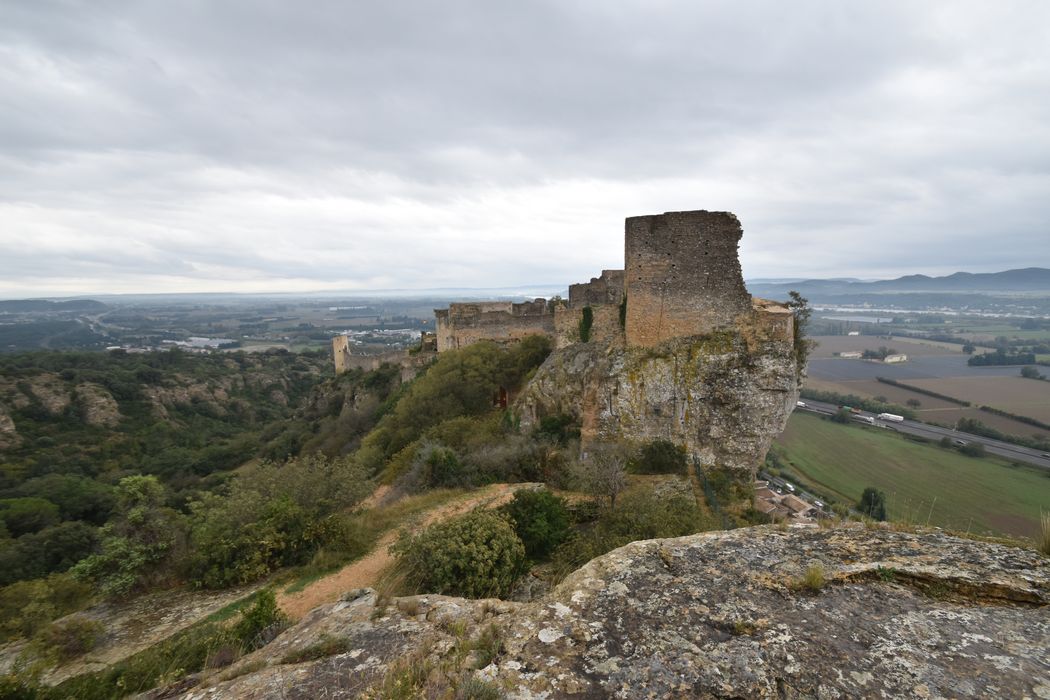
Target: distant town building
x: 853, y: 333
x: 896, y: 358
x: 851, y: 355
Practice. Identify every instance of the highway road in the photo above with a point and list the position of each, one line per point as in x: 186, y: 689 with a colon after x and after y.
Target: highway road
x: 1015, y: 453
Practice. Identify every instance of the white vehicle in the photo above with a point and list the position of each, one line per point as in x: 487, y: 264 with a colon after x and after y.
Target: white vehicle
x: 865, y: 419
x: 800, y: 404
x: 789, y: 487
x: 818, y: 504
x: 891, y: 417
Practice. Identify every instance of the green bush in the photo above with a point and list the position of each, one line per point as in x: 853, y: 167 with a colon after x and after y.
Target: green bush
x: 271, y: 517
x: 262, y: 617
x: 873, y: 503
x: 586, y: 321
x: 28, y: 606
x: 540, y: 519
x: 69, y: 638
x: 659, y: 457
x: 558, y: 429
x: 27, y: 515
x: 139, y: 544
x: 476, y: 555
x: 639, y: 516
x: 460, y: 383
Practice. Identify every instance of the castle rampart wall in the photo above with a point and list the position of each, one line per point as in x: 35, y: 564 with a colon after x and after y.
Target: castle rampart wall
x: 606, y: 289
x: 682, y: 275
x: 605, y: 325
x: 467, y: 323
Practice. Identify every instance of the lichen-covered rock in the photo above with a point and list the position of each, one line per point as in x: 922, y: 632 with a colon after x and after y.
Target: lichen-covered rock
x: 724, y: 396
x: 52, y: 393
x: 97, y: 406
x: 9, y: 436
x: 715, y: 615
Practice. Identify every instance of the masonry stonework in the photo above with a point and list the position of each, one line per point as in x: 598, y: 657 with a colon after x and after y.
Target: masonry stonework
x: 464, y: 324
x: 682, y: 275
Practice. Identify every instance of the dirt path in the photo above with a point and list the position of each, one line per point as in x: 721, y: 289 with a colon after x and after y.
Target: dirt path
x: 365, y: 572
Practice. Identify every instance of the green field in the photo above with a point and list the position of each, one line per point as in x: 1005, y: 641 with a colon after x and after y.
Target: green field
x: 921, y: 482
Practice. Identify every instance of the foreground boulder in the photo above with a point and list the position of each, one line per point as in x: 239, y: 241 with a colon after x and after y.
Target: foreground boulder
x: 751, y: 613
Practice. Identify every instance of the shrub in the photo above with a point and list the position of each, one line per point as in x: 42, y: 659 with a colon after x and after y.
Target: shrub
x: 262, y: 617
x: 640, y: 516
x: 27, y: 515
x: 69, y: 638
x: 813, y: 579
x: 873, y: 503
x: 558, y: 429
x: 659, y: 457
x: 475, y: 555
x: 273, y: 516
x: 540, y: 519
x: 586, y: 321
x: 27, y: 606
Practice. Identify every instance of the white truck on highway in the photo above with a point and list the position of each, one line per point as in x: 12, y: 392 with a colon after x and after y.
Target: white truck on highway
x: 891, y: 417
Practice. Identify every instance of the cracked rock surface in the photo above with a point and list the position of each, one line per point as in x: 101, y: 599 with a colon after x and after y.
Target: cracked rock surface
x: 717, y: 615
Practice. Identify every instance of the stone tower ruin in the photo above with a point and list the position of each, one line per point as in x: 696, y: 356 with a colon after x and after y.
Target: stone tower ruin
x: 682, y: 275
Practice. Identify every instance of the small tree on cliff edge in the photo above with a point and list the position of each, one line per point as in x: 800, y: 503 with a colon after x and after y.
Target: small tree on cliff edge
x: 873, y: 503
x: 800, y: 309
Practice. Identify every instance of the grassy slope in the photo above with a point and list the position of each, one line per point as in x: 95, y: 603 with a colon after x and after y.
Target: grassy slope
x: 843, y: 460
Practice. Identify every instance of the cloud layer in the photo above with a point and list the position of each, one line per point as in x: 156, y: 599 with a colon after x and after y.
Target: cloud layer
x: 260, y: 145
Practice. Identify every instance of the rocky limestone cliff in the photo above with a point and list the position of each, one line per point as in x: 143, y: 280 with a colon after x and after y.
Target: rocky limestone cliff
x: 714, y: 615
x: 97, y: 405
x: 725, y: 396
x: 9, y: 436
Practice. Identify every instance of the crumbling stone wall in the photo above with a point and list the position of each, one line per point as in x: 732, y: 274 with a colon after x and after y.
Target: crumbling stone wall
x: 682, y: 275
x: 607, y: 289
x: 410, y: 363
x: 464, y: 324
x: 605, y: 325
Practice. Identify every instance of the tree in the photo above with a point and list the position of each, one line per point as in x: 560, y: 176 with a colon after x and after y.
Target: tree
x: 659, y: 457
x: 842, y: 415
x: 873, y: 503
x: 914, y: 403
x: 1031, y: 373
x: 603, y: 472
x: 26, y: 515
x: 540, y: 519
x: 801, y: 312
x: 137, y: 543
x: 969, y: 348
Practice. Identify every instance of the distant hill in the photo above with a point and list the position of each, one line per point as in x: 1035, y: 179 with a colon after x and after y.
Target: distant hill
x: 30, y: 305
x: 1030, y: 279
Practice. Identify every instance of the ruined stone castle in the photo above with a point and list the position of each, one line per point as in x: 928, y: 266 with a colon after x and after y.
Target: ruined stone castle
x: 681, y: 278
x: 672, y: 347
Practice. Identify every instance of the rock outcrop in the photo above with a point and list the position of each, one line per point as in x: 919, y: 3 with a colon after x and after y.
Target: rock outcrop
x: 97, y: 406
x: 724, y: 396
x: 715, y: 615
x: 9, y: 436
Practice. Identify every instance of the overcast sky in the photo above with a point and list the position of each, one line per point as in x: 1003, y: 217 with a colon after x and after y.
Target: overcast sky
x: 260, y: 145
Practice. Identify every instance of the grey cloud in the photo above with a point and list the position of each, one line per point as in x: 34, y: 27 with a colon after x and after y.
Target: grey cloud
x: 470, y: 143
